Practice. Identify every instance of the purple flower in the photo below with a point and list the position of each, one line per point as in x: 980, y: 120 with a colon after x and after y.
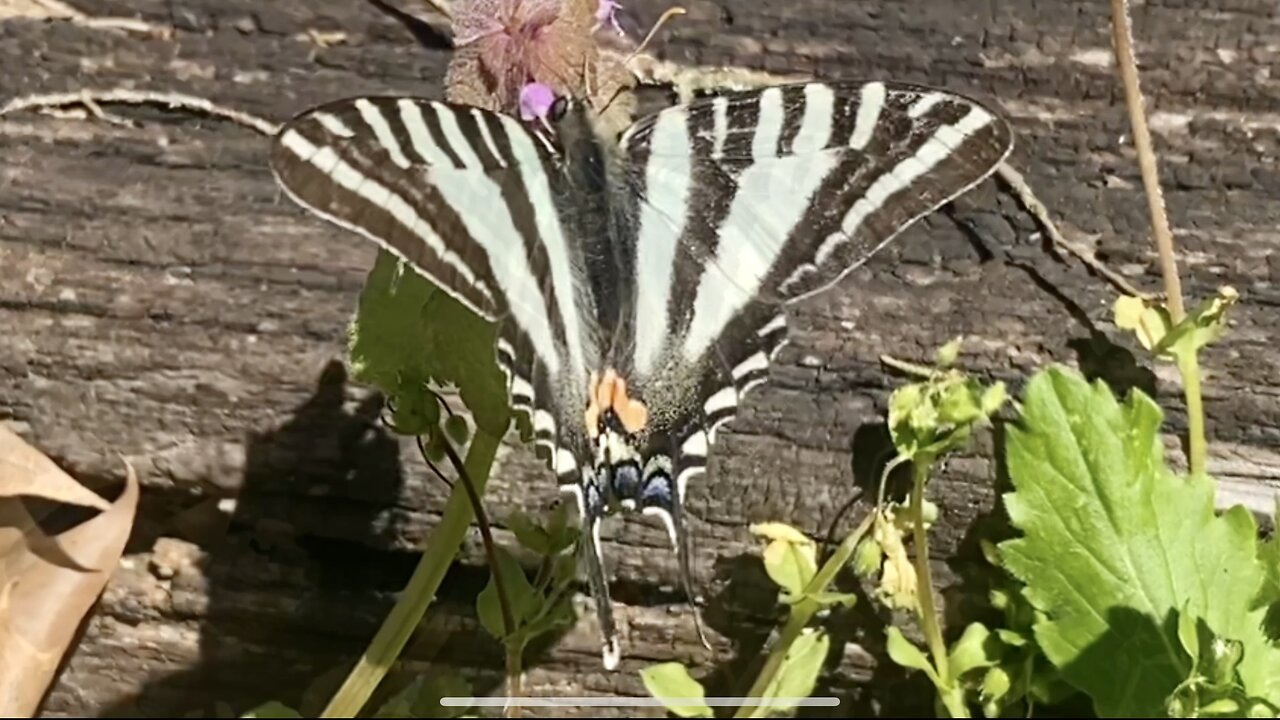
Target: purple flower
x: 536, y: 100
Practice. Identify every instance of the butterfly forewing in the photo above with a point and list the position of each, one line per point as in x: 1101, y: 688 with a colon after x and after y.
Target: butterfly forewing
x: 465, y: 197
x: 763, y: 197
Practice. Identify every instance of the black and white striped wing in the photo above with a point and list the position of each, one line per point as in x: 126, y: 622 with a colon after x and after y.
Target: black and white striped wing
x: 755, y: 199
x: 465, y: 197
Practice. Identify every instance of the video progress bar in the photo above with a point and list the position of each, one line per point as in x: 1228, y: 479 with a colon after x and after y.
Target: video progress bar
x: 636, y: 702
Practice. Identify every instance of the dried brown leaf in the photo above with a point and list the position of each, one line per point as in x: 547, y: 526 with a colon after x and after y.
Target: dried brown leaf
x: 27, y: 471
x: 48, y: 583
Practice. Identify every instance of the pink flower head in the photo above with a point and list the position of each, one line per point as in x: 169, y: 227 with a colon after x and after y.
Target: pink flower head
x: 513, y: 39
x: 607, y: 12
x: 536, y: 100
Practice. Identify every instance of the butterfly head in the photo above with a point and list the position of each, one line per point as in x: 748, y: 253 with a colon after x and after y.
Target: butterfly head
x: 616, y: 423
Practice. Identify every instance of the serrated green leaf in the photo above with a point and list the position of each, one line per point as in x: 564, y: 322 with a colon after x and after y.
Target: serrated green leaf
x: 672, y: 681
x: 904, y: 653
x: 975, y: 649
x: 529, y: 533
x: 408, y: 334
x: 1115, y: 545
x: 798, y: 674
x: 273, y: 709
x: 523, y: 600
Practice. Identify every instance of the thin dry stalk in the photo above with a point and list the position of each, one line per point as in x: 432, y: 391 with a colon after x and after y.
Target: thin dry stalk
x: 1122, y: 36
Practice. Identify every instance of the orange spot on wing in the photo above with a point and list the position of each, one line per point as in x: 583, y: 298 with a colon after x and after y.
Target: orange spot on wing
x: 610, y: 393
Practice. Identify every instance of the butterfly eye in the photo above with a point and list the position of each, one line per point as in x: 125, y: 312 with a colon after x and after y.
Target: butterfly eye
x: 559, y: 108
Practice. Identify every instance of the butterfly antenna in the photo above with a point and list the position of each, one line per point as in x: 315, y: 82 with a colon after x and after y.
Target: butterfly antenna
x: 670, y: 13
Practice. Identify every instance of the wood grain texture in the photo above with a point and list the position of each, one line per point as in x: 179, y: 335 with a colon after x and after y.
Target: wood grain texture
x: 160, y: 299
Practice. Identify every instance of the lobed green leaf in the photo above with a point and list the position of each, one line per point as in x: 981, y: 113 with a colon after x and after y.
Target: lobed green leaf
x: 1114, y: 546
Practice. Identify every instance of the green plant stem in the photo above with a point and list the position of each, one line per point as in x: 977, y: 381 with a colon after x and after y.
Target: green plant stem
x: 924, y: 578
x: 1197, y: 445
x: 801, y: 613
x: 441, y: 548
x: 514, y: 670
x: 1122, y: 37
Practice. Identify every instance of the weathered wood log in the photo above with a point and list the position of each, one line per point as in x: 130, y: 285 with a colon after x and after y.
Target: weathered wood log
x: 160, y: 300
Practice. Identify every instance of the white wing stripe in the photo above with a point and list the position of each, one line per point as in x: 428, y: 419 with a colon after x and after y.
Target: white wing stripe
x: 815, y: 126
x: 538, y: 188
x: 773, y: 195
x: 457, y: 140
x: 924, y: 104
x: 328, y: 162
x: 333, y: 124
x: 374, y: 118
x: 543, y: 422
x: 752, y: 364
x: 945, y: 140
x: 724, y: 399
x: 488, y: 137
x: 419, y: 136
x: 778, y: 322
x: 662, y: 221
x: 869, y: 107
x: 769, y: 125
x: 720, y: 120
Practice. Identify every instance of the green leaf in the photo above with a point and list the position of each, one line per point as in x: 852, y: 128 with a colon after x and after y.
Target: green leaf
x: 947, y: 354
x: 975, y: 649
x: 996, y: 684
x: 1189, y: 635
x: 903, y: 652
x: 408, y: 334
x: 529, y: 533
x: 1200, y: 327
x: 560, y: 534
x: 672, y: 682
x: 867, y: 557
x: 799, y: 671
x: 455, y: 427
x: 421, y: 698
x: 791, y: 559
x: 272, y: 709
x: 524, y: 601
x: 1115, y: 546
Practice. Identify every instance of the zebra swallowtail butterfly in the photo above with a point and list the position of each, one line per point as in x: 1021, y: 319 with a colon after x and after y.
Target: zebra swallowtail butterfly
x: 640, y: 282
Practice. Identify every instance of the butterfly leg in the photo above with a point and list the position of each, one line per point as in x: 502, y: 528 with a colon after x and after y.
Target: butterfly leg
x: 660, y: 496
x: 591, y: 512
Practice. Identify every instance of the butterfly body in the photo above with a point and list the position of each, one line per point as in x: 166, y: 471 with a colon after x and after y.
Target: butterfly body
x: 640, y: 283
